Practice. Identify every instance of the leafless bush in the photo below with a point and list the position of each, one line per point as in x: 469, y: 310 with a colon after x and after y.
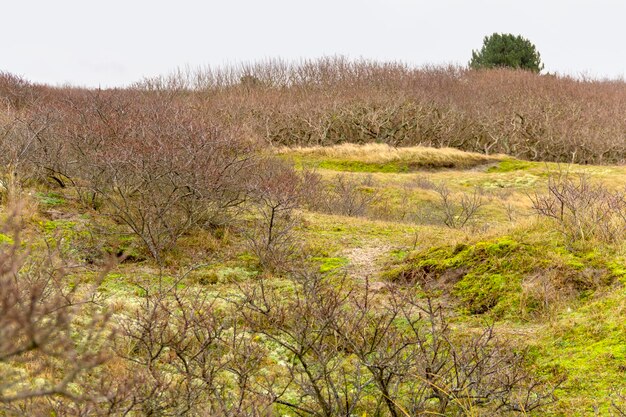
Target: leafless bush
x: 403, y: 356
x: 414, y: 357
x: 16, y: 92
x: 459, y: 212
x: 424, y: 183
x: 321, y: 380
x: 154, y: 164
x: 19, y: 144
x: 52, y: 333
x: 583, y: 210
x: 191, y: 357
x: 276, y: 191
x: 350, y: 196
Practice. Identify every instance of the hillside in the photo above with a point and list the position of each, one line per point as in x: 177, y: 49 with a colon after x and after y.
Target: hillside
x: 160, y: 256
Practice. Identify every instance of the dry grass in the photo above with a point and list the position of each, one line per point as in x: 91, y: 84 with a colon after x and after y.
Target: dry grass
x: 379, y: 153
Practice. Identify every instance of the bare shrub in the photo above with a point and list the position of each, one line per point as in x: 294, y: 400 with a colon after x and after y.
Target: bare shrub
x: 413, y: 356
x: 19, y: 144
x: 459, y: 212
x: 16, y: 92
x: 324, y: 381
x: 403, y: 356
x: 351, y: 196
x: 155, y: 165
x: 583, y: 210
x: 424, y: 183
x: 52, y: 333
x: 276, y: 191
x: 190, y: 356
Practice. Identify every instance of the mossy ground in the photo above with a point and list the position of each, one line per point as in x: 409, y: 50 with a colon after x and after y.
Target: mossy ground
x: 568, y: 305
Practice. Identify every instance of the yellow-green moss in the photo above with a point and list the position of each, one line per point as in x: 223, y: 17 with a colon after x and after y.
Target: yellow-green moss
x: 6, y: 239
x: 509, y: 165
x: 587, y: 345
x: 330, y: 264
x: 488, y: 276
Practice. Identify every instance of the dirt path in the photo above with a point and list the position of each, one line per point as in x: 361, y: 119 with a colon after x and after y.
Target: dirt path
x: 365, y: 261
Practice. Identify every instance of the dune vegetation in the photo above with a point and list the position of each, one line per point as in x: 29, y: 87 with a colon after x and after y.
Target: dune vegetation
x: 331, y: 238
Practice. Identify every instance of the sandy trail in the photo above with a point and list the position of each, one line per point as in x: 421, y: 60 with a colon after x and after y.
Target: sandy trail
x: 365, y: 261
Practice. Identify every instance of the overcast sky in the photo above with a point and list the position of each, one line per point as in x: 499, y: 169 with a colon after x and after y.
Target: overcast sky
x: 116, y: 42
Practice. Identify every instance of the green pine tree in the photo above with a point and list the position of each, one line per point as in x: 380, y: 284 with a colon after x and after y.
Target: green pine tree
x: 506, y: 50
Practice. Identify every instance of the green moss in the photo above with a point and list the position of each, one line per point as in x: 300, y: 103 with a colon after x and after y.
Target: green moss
x: 392, y: 167
x: 399, y: 254
x: 331, y: 264
x: 6, y: 239
x: 509, y: 165
x: 130, y: 248
x: 481, y: 293
x: 247, y: 258
x: 358, y: 166
x: 57, y: 225
x: 589, y: 347
x: 618, y: 269
x: 489, y: 276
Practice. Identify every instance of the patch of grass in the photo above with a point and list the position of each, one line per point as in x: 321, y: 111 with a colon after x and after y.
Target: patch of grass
x: 518, y: 181
x: 328, y: 234
x: 509, y: 165
x: 375, y: 157
x: 358, y: 166
x: 51, y: 226
x: 399, y: 254
x: 51, y: 199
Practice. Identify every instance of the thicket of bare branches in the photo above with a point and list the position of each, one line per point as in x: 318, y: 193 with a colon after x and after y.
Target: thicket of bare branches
x: 335, y: 100
x: 349, y: 196
x: 350, y: 350
x: 583, y: 210
x: 319, y: 346
x: 52, y: 333
x: 276, y: 192
x: 152, y: 161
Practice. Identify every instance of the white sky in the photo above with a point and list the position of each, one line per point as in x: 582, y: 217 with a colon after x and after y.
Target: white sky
x: 116, y: 42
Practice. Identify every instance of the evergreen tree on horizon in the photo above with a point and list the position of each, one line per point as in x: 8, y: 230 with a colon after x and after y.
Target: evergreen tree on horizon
x: 509, y: 51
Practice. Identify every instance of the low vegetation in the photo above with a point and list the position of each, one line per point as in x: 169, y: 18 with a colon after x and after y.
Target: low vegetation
x: 378, y: 157
x: 172, y: 249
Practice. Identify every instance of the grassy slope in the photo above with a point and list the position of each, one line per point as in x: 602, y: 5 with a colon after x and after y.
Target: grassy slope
x: 582, y: 335
x: 375, y: 157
